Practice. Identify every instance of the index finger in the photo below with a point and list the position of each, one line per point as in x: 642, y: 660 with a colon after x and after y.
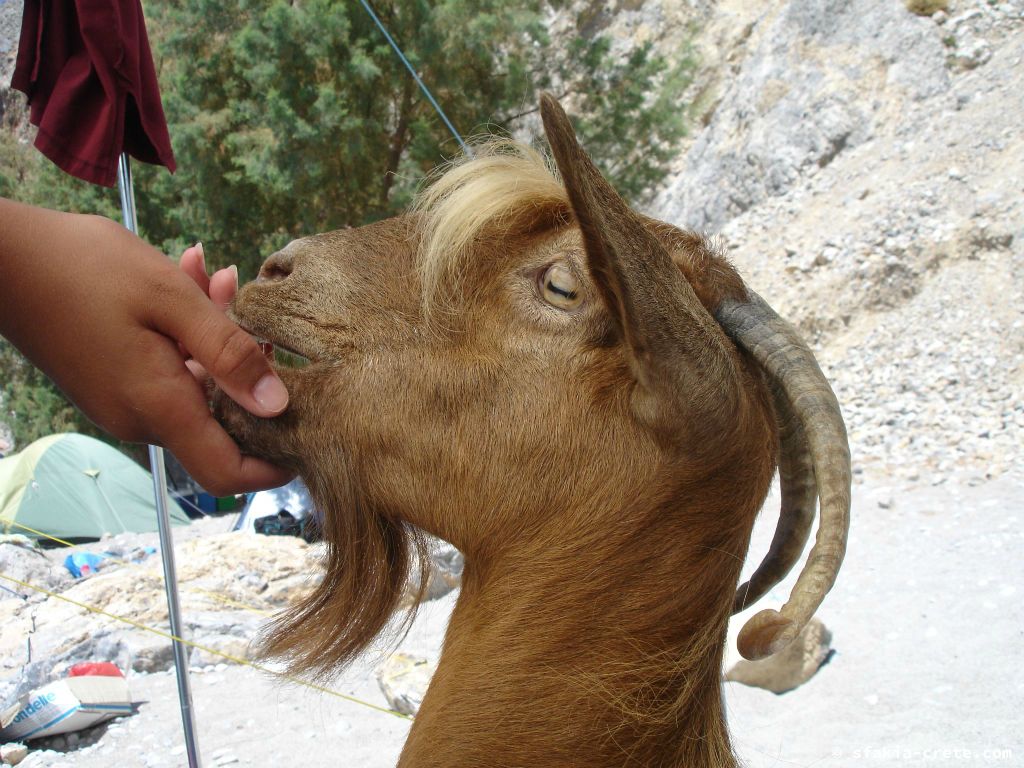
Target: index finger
x: 193, y: 264
x: 229, y: 354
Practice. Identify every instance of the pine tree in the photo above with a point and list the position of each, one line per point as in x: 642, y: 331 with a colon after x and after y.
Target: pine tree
x: 291, y: 118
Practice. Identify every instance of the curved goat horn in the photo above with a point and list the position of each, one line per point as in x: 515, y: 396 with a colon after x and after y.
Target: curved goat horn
x: 789, y: 362
x: 799, y: 494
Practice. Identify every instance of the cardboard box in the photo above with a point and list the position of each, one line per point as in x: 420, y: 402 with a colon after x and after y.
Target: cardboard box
x: 66, y: 706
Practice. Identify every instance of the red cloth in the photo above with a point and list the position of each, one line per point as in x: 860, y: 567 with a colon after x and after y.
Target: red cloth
x: 87, y: 70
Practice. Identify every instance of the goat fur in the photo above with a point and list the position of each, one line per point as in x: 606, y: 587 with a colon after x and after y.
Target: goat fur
x: 600, y: 468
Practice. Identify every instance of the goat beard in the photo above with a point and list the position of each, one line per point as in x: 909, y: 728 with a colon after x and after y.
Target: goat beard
x: 367, y: 566
x: 370, y: 553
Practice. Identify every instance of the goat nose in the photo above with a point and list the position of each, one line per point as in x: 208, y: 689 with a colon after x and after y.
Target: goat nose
x: 277, y: 267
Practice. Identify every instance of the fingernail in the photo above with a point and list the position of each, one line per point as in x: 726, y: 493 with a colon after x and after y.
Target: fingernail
x: 202, y: 254
x: 234, y: 274
x: 270, y: 392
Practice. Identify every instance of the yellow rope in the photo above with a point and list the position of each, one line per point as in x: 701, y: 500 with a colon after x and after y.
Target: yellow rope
x: 40, y: 533
x: 228, y: 601
x: 235, y: 659
x: 197, y: 590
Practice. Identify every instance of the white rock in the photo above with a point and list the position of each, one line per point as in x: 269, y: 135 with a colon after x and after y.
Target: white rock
x: 972, y: 52
x: 13, y: 753
x: 403, y: 679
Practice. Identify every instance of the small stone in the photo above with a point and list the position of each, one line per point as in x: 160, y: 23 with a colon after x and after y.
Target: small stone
x: 13, y: 753
x: 444, y: 575
x: 972, y: 52
x: 211, y: 660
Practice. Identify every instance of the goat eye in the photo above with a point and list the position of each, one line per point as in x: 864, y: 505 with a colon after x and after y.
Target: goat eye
x: 560, y: 287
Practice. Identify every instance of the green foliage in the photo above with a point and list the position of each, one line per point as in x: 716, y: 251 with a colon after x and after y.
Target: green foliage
x: 294, y: 118
x: 31, y: 405
x: 28, y: 177
x: 927, y: 7
x: 631, y: 135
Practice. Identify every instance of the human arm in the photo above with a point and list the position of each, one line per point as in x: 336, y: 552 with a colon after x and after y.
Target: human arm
x: 102, y: 314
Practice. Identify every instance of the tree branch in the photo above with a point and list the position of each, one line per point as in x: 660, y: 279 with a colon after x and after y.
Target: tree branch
x: 509, y: 118
x: 399, y: 138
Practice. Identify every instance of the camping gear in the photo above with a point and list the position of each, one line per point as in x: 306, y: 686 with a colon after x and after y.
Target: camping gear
x: 99, y: 668
x: 283, y: 523
x: 70, y: 486
x: 284, y: 511
x: 66, y: 706
x: 293, y: 498
x: 81, y: 564
x: 163, y: 517
x: 209, y: 505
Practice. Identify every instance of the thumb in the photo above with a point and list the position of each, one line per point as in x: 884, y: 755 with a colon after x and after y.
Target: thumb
x: 229, y: 354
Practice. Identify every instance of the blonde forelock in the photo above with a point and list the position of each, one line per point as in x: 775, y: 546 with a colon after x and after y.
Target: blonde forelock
x: 504, y: 188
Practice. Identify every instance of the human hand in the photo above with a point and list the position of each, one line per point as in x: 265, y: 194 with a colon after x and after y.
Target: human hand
x: 103, y: 314
x: 221, y: 287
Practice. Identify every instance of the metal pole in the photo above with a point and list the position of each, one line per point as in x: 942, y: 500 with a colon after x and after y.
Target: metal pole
x: 156, y: 463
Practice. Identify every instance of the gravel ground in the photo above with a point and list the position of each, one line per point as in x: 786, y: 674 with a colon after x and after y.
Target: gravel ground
x: 902, y: 260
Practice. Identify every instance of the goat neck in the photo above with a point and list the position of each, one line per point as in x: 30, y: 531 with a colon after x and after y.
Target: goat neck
x: 554, y: 658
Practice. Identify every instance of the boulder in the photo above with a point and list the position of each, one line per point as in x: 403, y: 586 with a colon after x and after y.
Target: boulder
x: 793, y: 666
x: 445, y: 574
x: 219, y: 649
x: 150, y: 653
x: 404, y: 679
x: 229, y: 584
x: 446, y: 564
x: 21, y: 559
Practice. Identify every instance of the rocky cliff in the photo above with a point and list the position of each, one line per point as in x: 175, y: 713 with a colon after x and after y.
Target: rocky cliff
x: 864, y: 166
x: 12, y: 109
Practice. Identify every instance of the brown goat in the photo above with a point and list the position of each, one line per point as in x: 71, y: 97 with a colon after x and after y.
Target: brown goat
x: 533, y: 372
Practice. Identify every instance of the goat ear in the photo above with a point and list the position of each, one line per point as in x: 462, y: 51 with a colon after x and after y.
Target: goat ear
x: 676, y: 345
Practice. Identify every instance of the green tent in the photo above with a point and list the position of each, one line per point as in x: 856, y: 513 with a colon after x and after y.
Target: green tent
x: 74, y: 487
